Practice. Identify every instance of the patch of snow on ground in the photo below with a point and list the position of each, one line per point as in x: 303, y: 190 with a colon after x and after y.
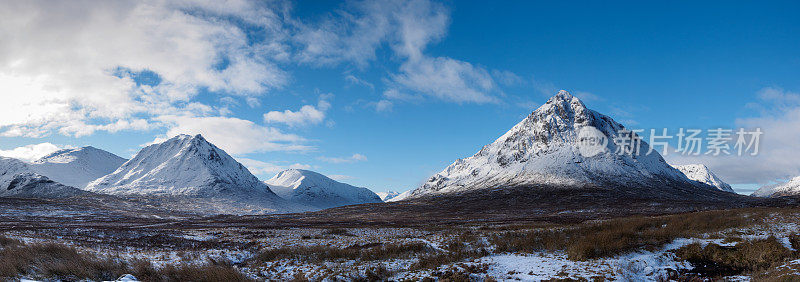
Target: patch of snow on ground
x: 543, y: 266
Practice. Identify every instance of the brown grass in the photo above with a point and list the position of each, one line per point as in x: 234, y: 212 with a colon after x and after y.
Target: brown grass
x: 617, y: 236
x: 368, y: 252
x: 458, y: 249
x: 746, y: 257
x: 209, y: 272
x: 338, y: 231
x: 60, y: 262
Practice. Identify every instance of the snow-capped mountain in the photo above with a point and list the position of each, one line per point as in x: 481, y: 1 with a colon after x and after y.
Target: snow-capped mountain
x: 9, y: 168
x: 385, y: 196
x: 790, y: 188
x: 317, y: 190
x: 702, y: 174
x: 400, y: 197
x: 77, y: 167
x: 546, y: 148
x: 32, y: 185
x: 17, y: 179
x: 189, y: 167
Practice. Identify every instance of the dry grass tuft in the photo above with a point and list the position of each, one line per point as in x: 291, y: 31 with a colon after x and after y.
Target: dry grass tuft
x: 60, y: 262
x: 617, y: 236
x: 746, y: 257
x: 369, y: 252
x: 56, y: 261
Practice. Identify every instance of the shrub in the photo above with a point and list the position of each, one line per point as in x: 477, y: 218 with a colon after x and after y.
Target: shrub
x: 794, y: 239
x: 714, y: 260
x: 616, y: 236
x: 61, y: 262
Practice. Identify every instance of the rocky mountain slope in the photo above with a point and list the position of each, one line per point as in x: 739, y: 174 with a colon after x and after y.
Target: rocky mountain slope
x: 702, y: 174
x: 560, y: 145
x: 188, y: 172
x: 314, y: 189
x: 77, y: 167
x: 18, y: 179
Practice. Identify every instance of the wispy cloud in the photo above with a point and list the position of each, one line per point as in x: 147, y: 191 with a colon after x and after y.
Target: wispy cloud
x: 352, y: 79
x: 307, y: 115
x: 31, y: 152
x: 779, y: 120
x: 69, y: 70
x: 352, y: 159
x: 234, y: 135
x: 354, y: 33
x: 78, y: 69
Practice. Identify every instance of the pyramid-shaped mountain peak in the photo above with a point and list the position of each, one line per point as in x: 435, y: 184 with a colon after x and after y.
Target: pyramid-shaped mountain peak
x: 182, y: 165
x: 190, y: 167
x: 545, y: 149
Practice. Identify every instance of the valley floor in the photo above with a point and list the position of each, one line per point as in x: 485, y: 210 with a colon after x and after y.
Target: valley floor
x: 761, y: 244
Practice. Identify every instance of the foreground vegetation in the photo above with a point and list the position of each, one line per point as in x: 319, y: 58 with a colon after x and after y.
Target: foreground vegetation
x: 60, y: 262
x: 736, y: 250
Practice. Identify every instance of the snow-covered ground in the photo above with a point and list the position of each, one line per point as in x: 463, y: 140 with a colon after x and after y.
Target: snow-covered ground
x: 161, y: 246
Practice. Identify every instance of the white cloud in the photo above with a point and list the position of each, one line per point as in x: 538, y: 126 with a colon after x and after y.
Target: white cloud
x: 774, y: 100
x: 352, y: 159
x: 253, y: 102
x: 74, y: 68
x: 395, y: 94
x: 383, y: 106
x: 352, y: 79
x: 70, y: 67
x: 235, y: 136
x: 307, y: 115
x: 778, y: 154
x: 30, y: 152
x: 424, y: 22
x: 354, y: 33
x: 507, y: 77
x: 447, y: 79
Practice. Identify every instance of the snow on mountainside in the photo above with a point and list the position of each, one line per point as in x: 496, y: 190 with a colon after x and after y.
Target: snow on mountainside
x: 10, y: 167
x: 189, y: 169
x: 32, y: 185
x: 544, y: 149
x: 702, y: 174
x: 77, y: 167
x: 317, y: 190
x: 385, y: 196
x: 790, y: 188
x: 17, y: 179
x: 400, y: 197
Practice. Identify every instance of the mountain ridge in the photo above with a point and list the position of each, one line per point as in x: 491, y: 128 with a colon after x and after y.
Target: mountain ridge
x: 317, y: 190
x: 77, y: 167
x: 702, y: 174
x: 544, y: 149
x: 189, y: 169
x: 18, y: 179
x: 789, y: 188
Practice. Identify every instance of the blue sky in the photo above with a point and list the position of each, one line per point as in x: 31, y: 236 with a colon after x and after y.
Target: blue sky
x: 383, y: 94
